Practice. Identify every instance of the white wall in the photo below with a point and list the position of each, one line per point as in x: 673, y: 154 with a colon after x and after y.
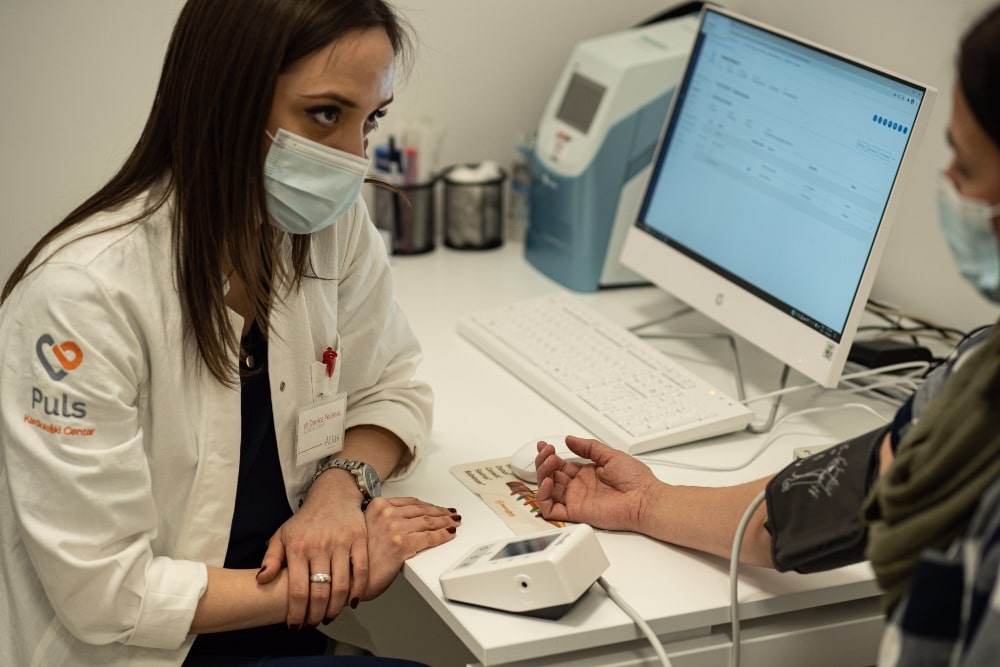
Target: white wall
x: 77, y: 80
x: 486, y: 67
x: 78, y: 77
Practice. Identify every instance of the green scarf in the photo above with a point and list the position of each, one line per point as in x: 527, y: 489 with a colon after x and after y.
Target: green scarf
x: 942, y: 467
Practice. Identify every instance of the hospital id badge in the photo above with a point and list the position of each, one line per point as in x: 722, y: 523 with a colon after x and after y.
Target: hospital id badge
x: 320, y: 430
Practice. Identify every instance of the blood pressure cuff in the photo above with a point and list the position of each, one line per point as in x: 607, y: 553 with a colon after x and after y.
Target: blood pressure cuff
x: 814, y: 506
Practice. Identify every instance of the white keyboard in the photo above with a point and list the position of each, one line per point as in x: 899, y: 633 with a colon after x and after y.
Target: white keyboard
x: 623, y: 390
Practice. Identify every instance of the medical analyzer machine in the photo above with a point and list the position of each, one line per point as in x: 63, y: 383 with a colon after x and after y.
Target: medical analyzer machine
x: 593, y: 150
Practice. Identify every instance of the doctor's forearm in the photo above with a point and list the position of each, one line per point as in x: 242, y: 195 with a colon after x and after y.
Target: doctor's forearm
x: 233, y: 600
x: 374, y: 445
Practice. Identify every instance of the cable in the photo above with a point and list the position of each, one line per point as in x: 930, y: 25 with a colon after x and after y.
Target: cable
x: 892, y: 389
x: 734, y: 579
x: 767, y: 442
x: 769, y: 422
x: 734, y: 604
x: 909, y: 365
x: 893, y: 383
x: 916, y: 332
x: 887, y: 312
x: 654, y: 641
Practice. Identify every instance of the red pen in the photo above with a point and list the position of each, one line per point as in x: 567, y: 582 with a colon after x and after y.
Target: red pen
x: 330, y: 359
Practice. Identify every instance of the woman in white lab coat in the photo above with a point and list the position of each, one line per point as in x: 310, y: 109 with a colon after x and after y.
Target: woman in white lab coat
x: 919, y: 499
x: 204, y: 369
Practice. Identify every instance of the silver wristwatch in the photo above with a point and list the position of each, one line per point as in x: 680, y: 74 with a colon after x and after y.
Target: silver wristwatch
x: 368, y: 482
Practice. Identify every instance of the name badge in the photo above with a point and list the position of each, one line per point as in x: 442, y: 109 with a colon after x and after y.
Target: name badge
x: 320, y: 430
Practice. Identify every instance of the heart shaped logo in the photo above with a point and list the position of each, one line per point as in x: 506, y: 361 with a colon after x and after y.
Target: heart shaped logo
x: 68, y: 356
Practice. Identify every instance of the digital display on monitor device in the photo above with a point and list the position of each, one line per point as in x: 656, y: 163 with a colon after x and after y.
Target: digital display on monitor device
x: 527, y: 546
x: 579, y: 104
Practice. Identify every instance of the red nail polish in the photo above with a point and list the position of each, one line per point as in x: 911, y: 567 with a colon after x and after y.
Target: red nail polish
x: 452, y: 529
x: 354, y: 603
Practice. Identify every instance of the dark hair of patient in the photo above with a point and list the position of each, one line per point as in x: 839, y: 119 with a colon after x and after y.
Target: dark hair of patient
x: 979, y: 71
x: 204, y: 138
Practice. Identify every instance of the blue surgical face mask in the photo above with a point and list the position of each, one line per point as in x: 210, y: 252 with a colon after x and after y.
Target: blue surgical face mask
x: 310, y: 185
x: 968, y: 226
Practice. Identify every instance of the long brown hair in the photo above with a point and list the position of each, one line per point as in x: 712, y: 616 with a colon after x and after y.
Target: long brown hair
x: 204, y: 139
x: 979, y: 71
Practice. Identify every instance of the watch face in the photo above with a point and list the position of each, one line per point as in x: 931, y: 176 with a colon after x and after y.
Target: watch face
x: 372, y: 481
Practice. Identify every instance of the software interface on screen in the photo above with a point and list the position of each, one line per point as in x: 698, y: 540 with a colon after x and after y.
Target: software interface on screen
x: 777, y: 165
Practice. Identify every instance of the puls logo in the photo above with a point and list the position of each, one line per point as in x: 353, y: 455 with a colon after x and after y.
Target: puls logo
x: 68, y: 355
x: 58, y: 361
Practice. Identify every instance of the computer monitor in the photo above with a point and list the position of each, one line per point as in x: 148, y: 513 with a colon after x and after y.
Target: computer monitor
x: 773, y: 188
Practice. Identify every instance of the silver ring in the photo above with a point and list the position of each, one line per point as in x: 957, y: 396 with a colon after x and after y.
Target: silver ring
x: 320, y: 578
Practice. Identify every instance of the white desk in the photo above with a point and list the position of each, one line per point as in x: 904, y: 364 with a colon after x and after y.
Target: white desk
x: 482, y: 412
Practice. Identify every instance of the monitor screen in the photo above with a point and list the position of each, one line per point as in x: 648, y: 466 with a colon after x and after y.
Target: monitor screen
x: 773, y: 187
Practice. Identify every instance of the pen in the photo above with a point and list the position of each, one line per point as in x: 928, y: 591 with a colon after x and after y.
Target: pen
x: 410, y: 165
x: 395, y: 155
x: 383, y: 158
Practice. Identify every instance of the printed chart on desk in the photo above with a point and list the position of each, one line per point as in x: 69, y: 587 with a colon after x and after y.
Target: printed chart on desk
x: 509, y: 497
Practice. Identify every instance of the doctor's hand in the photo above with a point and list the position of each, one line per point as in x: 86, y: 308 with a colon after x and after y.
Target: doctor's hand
x: 326, y: 536
x: 611, y: 493
x: 399, y: 528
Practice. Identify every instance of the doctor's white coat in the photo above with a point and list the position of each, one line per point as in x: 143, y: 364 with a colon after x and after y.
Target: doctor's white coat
x: 120, y: 452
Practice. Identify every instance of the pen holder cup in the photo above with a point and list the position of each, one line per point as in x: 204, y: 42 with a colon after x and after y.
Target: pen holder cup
x: 408, y: 216
x: 473, y: 212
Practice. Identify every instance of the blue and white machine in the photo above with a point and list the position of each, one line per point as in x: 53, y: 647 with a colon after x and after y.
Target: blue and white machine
x: 594, y: 147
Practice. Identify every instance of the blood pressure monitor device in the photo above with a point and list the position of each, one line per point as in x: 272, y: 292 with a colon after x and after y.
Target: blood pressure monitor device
x: 540, y: 575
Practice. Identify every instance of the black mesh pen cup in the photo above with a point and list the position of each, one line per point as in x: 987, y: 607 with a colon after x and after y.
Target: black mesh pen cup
x: 473, y: 211
x: 408, y: 216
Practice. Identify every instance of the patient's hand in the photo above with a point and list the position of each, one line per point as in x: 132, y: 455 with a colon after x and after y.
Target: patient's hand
x: 611, y: 492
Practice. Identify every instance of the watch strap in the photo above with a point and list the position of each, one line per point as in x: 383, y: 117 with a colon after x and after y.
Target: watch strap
x: 356, y: 468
